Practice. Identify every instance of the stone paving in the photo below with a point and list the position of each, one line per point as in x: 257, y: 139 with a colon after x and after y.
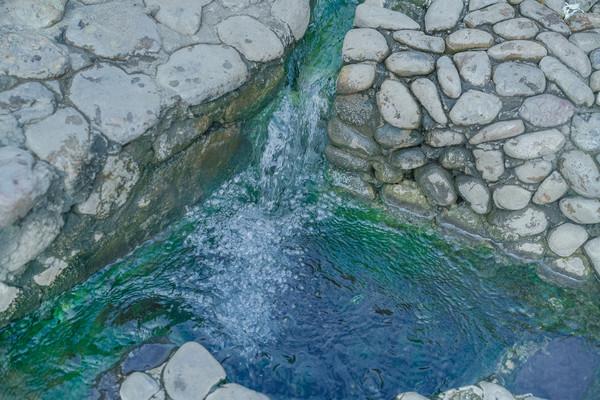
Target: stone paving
x: 483, y: 115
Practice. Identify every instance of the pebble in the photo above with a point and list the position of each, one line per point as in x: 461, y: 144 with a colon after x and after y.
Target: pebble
x: 551, y: 189
x: 529, y: 221
x: 443, y: 15
x: 397, y: 106
x: 533, y: 145
x: 534, y: 171
x: 544, y: 16
x: 408, y: 159
x: 475, y: 192
x: 30, y: 55
x: 586, y: 41
x: 354, y: 78
x: 347, y: 137
x: 345, y: 160
x: 478, y: 4
x: 595, y: 81
x: 490, y: 163
x: 457, y: 158
x: 469, y: 39
x: 546, y: 110
x: 437, y: 184
x: 364, y: 45
x: 427, y: 94
x: 251, y: 38
x: 519, y: 79
x: 475, y: 108
x: 585, y: 131
x: 511, y: 197
x: 410, y: 63
x: 584, y: 21
x: 498, y: 131
x: 28, y: 102
x: 592, y: 250
x: 581, y: 210
x: 489, y: 15
x: 395, y: 138
x: 581, y: 172
x: 367, y: 16
x: 232, y: 391
x: 474, y: 67
x: 443, y: 138
x: 519, y: 50
x: 138, y: 386
x: 295, y: 13
x: 570, y: 83
x: 566, y: 239
x: 567, y: 52
x: 448, y: 77
x: 420, y: 41
x: 572, y: 267
x: 516, y: 29
x: 182, y: 16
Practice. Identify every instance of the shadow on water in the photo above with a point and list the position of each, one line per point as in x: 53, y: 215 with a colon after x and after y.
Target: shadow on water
x: 304, y: 294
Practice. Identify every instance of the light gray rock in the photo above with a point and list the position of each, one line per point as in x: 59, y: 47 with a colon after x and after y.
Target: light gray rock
x: 581, y: 171
x: 34, y: 14
x: 11, y: 134
x: 474, y: 67
x: 566, y: 239
x: 408, y: 159
x: 584, y: 21
x: 103, y: 93
x: 448, y: 77
x: 63, y: 140
x: 518, y: 79
x: 546, y: 110
x: 592, y: 250
x: 498, y: 131
x: 251, y: 38
x: 343, y: 135
x: 345, y: 160
x: 527, y: 222
x: 595, y: 81
x: 232, y: 391
x: 489, y: 15
x: 586, y: 41
x: 31, y: 55
x: 295, y: 13
x: 420, y: 41
x: 443, y: 15
x: 478, y: 4
x: 28, y: 102
x: 22, y: 182
x: 544, y: 16
x: 516, y: 29
x: 595, y: 59
x: 407, y: 196
x: 437, y: 185
x: 352, y: 183
x: 354, y: 78
x: 426, y: 93
x: 8, y: 294
x: 567, y: 52
x: 572, y: 267
x: 367, y: 16
x: 493, y: 391
x: 183, y: 16
x: 410, y: 63
x: 466, y: 392
x: 535, y: 145
x: 490, y: 163
x: 475, y: 192
x: 54, y: 268
x: 511, y: 197
x: 469, y: 39
x: 444, y: 138
x: 395, y: 138
x: 518, y: 50
x: 191, y: 373
x: 113, y: 32
x: 410, y: 396
x: 138, y: 386
x: 364, y: 44
x: 456, y: 158
x: 581, y: 210
x: 475, y: 108
x: 397, y: 106
x: 551, y: 189
x: 534, y: 171
x: 585, y: 131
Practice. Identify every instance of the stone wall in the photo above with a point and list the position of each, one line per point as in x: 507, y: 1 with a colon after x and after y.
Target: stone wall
x: 482, y: 115
x: 114, y: 116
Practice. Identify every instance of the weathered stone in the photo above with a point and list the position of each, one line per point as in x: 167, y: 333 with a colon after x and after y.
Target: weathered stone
x: 595, y: 59
x: 146, y: 357
x: 535, y: 145
x: 490, y: 163
x: 567, y: 52
x: 397, y: 106
x: 475, y: 192
x: 407, y: 196
x: 489, y: 15
x: 570, y: 83
x: 355, y: 78
x: 8, y: 295
x: 395, y: 138
x: 410, y: 63
x: 352, y: 183
x: 183, y: 16
x: 385, y: 173
x: 474, y: 67
x: 527, y: 222
x: 478, y: 4
x: 581, y: 171
x: 584, y: 21
x: 27, y: 102
x: 518, y: 79
x: 191, y: 373
x: 457, y: 158
x: 30, y: 55
x: 533, y: 171
x: 522, y: 50
x: 595, y: 81
x: 544, y: 15
x: 364, y: 45
x: 475, y: 108
x: 437, y: 184
x: 11, y: 134
x: 592, y: 250
x: 343, y: 135
x: 357, y: 109
x: 516, y: 29
x: 498, y: 131
x: 551, y: 189
x: 469, y: 39
x: 420, y: 41
x: 448, y: 77
x: 410, y: 396
x: 566, y: 239
x: 367, y: 16
x: 138, y: 386
x: 346, y: 160
x: 104, y: 94
x: 426, y: 93
x: 251, y: 38
x: 586, y: 41
x: 494, y: 391
x: 408, y: 159
x: 113, y: 32
x: 443, y: 138
x: 585, y: 131
x: 231, y: 391
x: 443, y: 15
x: 511, y: 197
x: 581, y: 210
x: 571, y: 267
x: 546, y: 110
x: 35, y: 14
x: 466, y: 392
x: 295, y: 13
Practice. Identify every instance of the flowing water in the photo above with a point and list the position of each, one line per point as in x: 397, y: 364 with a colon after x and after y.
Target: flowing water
x: 299, y: 292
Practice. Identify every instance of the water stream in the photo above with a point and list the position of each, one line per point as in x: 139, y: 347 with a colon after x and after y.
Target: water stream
x: 300, y: 292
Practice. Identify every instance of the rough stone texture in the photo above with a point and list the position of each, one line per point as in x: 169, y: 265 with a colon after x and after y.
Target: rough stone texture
x: 355, y: 78
x: 585, y: 131
x: 475, y: 108
x: 518, y: 50
x: 469, y: 39
x: 490, y: 163
x: 498, y: 131
x: 570, y: 83
x: 544, y: 15
x: 567, y: 52
x: 516, y: 29
x: 519, y: 79
x: 566, y: 239
x: 581, y: 210
x: 474, y: 67
x: 511, y: 197
x: 551, y: 189
x: 420, y: 41
x: 444, y: 138
x: 535, y: 145
x: 27, y: 102
x: 410, y: 63
x: 448, y: 77
x: 364, y: 45
x: 368, y: 16
x: 397, y: 106
x: 426, y: 92
x: 251, y: 38
x: 443, y: 15
x: 581, y: 172
x: 546, y: 110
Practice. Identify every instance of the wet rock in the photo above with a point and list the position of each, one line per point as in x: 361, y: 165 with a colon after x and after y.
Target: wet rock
x: 355, y: 78
x: 511, y: 197
x: 584, y: 21
x: 444, y: 138
x: 448, y: 77
x: 397, y: 106
x: 367, y: 16
x: 585, y: 131
x: 534, y: 145
x: 437, y: 184
x: 498, y: 131
x: 443, y: 15
x: 475, y: 108
x: 566, y: 239
x: 410, y: 63
x: 146, y: 357
x: 353, y: 184
x: 534, y: 171
x: 518, y: 50
x: 35, y: 14
x: 494, y: 391
x: 183, y: 16
x: 28, y: 102
x: 420, y: 41
x: 357, y: 109
x: 566, y: 52
x: 251, y: 38
x: 516, y: 29
x: 346, y: 160
x: 364, y: 45
x: 8, y: 294
x: 586, y: 41
x: 191, y: 373
x: 11, y: 134
x: 573, y: 86
x: 396, y: 138
x: 527, y: 222
x: 490, y: 163
x: 426, y: 93
x: 544, y: 16
x: 103, y: 93
x: 519, y: 79
x: 138, y: 386
x: 581, y: 210
x: 410, y: 396
x: 295, y: 13
x: 474, y: 67
x: 385, y: 173
x: 581, y: 171
x: 475, y: 192
x: 456, y: 158
x: 551, y: 189
x: 232, y: 391
x: 469, y: 39
x: 408, y: 159
x: 546, y: 110
x: 407, y: 196
x: 343, y: 135
x: 489, y: 15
